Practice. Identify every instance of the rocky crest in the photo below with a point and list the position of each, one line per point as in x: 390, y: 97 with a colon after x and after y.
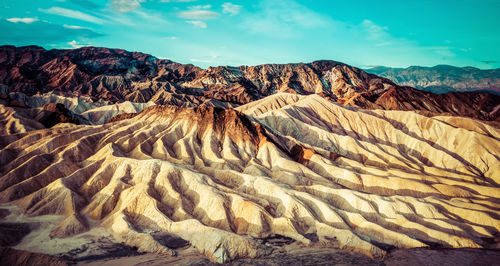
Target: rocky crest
x: 116, y: 75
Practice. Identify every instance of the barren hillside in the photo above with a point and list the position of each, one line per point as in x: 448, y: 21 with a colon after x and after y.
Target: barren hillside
x: 287, y: 165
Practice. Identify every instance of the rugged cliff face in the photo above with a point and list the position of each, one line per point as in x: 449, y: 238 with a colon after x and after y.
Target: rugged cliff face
x: 114, y: 75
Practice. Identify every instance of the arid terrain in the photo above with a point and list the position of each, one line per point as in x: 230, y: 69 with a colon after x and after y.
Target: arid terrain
x: 103, y: 76
x: 109, y: 157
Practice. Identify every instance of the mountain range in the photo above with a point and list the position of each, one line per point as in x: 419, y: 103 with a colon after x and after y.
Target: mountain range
x: 104, y: 150
x: 113, y: 75
x: 443, y: 78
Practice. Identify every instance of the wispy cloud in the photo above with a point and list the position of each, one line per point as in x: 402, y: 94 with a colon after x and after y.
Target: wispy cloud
x: 197, y: 23
x: 172, y: 38
x: 22, y: 20
x: 69, y: 13
x: 284, y: 19
x: 85, y: 4
x: 150, y: 16
x: 435, y: 48
x: 374, y: 31
x: 198, y: 7
x: 379, y: 36
x: 198, y: 14
x: 126, y: 5
x: 173, y: 1
x: 43, y: 33
x: 445, y: 51
x: 230, y: 8
x: 75, y: 27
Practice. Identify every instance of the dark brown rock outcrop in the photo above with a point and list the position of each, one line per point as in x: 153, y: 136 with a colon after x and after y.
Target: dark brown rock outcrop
x: 9, y: 256
x: 11, y: 234
x: 55, y: 113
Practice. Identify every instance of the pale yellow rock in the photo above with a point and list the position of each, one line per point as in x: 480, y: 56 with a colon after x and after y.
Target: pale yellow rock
x: 297, y: 166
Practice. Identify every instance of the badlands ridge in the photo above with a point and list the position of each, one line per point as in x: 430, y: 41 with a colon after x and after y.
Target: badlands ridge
x: 289, y: 165
x: 106, y: 76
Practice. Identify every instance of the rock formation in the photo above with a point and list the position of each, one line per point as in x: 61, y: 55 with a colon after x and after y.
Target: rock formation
x: 288, y: 165
x: 107, y: 76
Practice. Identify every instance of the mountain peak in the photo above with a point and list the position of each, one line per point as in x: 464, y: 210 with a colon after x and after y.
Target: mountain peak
x: 116, y: 75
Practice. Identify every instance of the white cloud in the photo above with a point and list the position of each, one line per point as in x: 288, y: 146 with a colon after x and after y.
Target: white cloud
x: 22, y: 20
x: 229, y: 8
x: 126, y: 5
x: 172, y: 38
x: 199, y: 7
x: 74, y: 44
x: 75, y: 27
x: 201, y: 60
x: 198, y: 14
x: 64, y: 12
x: 197, y: 23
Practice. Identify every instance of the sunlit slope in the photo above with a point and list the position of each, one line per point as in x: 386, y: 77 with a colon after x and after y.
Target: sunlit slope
x: 297, y: 166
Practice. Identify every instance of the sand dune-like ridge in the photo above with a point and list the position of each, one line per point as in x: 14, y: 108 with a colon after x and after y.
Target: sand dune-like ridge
x: 296, y: 166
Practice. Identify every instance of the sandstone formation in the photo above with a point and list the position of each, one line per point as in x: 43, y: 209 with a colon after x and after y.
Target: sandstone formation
x: 51, y: 109
x: 13, y: 122
x: 107, y: 76
x: 301, y: 167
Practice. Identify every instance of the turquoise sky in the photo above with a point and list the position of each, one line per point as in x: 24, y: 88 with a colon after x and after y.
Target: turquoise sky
x: 360, y: 33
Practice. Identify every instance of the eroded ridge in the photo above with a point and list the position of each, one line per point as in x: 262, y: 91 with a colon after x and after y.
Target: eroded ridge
x: 300, y: 167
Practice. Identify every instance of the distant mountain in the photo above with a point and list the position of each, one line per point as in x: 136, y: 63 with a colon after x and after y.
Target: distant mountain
x: 114, y: 76
x: 442, y: 78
